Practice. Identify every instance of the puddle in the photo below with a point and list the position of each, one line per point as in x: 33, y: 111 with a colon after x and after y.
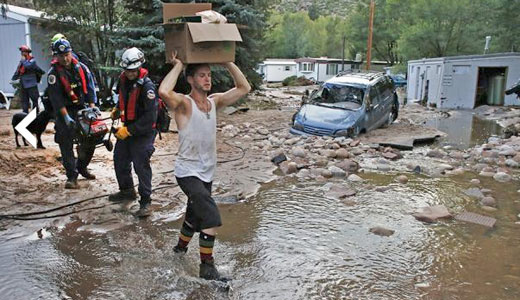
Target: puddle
x: 288, y: 242
x: 464, y: 129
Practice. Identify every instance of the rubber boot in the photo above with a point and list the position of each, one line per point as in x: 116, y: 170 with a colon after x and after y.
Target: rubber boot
x: 144, y: 208
x: 123, y: 195
x: 71, y: 184
x: 208, y: 271
x: 85, y: 173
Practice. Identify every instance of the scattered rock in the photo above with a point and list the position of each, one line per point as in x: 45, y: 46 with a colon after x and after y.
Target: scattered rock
x: 502, y: 177
x: 474, y: 192
x: 402, y: 179
x: 489, y: 208
x: 488, y: 201
x: 432, y: 213
x: 262, y: 131
x: 326, y: 173
x: 435, y: 154
x: 355, y: 143
x: 378, y: 230
x: 381, y: 189
x: 348, y: 166
x: 340, y: 192
x: 288, y: 167
x: 298, y: 152
x: 355, y: 178
x: 475, y: 182
x: 337, y: 172
x: 390, y: 155
x: 342, y: 153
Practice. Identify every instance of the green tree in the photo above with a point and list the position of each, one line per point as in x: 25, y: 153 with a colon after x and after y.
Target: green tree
x: 89, y: 25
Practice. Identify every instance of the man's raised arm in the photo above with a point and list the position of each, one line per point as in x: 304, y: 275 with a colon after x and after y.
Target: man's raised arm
x: 241, y: 88
x: 171, y: 98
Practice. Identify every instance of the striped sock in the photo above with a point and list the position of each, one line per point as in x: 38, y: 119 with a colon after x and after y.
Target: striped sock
x: 185, y: 236
x: 206, y: 243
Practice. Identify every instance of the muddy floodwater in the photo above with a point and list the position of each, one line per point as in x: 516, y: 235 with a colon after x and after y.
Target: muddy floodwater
x: 464, y: 129
x: 290, y: 241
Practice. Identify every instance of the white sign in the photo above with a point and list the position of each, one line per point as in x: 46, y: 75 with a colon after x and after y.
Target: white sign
x: 22, y: 128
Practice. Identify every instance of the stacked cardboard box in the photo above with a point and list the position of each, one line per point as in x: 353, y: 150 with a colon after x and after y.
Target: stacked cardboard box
x: 197, y: 42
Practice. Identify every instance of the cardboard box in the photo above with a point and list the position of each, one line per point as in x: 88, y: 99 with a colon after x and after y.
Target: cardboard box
x: 198, y: 42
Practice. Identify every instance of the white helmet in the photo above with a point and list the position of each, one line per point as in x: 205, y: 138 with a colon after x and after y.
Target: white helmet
x: 132, y: 58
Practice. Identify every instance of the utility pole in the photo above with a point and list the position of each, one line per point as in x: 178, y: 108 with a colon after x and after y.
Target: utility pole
x: 343, y: 55
x: 370, y: 27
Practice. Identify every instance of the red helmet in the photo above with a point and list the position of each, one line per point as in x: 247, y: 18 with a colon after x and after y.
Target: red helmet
x: 25, y: 48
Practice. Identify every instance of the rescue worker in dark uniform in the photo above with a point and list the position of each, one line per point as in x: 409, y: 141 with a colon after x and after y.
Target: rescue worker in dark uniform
x: 137, y: 109
x: 70, y: 89
x: 29, y: 74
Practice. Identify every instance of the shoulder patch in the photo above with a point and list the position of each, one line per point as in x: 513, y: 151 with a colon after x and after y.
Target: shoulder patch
x: 150, y: 94
x: 51, y: 79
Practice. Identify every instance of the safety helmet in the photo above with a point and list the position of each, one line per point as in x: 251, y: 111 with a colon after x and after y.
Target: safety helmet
x: 25, y: 48
x: 132, y: 58
x: 56, y: 37
x: 61, y: 46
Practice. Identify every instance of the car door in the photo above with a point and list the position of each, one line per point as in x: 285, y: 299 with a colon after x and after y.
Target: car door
x: 377, y: 107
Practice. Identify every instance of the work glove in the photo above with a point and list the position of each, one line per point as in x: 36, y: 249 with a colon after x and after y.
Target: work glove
x: 122, y: 133
x: 96, y: 111
x: 114, y: 114
x: 69, y: 121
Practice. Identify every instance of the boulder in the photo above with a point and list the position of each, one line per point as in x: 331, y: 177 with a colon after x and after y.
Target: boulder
x: 432, y: 213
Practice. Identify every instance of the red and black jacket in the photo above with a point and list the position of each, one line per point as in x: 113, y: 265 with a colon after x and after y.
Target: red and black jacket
x: 71, y: 88
x: 138, y: 103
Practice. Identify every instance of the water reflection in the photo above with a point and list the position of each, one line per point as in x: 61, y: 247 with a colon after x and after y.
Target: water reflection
x: 464, y: 129
x: 289, y: 242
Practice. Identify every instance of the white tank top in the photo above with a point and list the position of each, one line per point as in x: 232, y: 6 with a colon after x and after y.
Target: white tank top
x: 198, y: 144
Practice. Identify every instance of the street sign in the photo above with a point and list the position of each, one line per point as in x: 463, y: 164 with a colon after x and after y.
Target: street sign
x: 22, y: 128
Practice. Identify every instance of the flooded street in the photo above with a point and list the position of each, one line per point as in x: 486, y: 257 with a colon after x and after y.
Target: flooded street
x: 290, y: 241
x: 464, y: 129
x: 290, y: 235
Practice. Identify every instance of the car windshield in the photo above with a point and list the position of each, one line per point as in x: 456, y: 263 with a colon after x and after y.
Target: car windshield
x: 339, y: 96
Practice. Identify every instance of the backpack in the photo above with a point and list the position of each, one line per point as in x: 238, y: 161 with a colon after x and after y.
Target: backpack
x: 163, y: 118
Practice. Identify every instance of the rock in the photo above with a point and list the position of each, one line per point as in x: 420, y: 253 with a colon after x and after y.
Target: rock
x: 298, y: 152
x: 321, y: 162
x: 383, y: 167
x: 357, y: 151
x: 328, y: 153
x: 474, y: 192
x: 475, y: 182
x: 435, y: 154
x: 337, y: 172
x: 517, y: 158
x: 390, y: 155
x: 355, y: 143
x: 487, y: 174
x: 446, y: 167
x: 512, y: 163
x: 378, y: 230
x: 288, y: 167
x: 291, y: 141
x: 355, y: 178
x: 304, y: 173
x: 262, y: 131
x: 486, y: 192
x: 342, y: 153
x: 382, y: 188
x: 502, y: 177
x: 326, y: 173
x: 488, y: 201
x: 348, y: 166
x: 489, y: 208
x: 335, y: 146
x: 490, y: 154
x: 340, y: 192
x: 278, y: 158
x: 402, y: 179
x: 432, y: 213
x: 457, y: 155
x: 506, y: 150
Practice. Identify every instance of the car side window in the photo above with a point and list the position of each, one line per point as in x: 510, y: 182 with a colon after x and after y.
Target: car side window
x: 374, y: 96
x: 384, y: 89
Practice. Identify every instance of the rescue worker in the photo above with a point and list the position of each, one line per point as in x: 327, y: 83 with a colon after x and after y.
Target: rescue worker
x: 70, y: 89
x: 195, y: 115
x: 29, y: 74
x: 137, y: 109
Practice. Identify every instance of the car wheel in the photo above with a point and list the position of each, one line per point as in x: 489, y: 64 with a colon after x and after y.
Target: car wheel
x: 391, y: 116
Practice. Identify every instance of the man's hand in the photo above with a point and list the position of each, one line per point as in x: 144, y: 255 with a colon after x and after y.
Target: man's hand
x: 96, y: 111
x: 122, y: 133
x: 115, y: 114
x: 69, y: 121
x: 173, y: 58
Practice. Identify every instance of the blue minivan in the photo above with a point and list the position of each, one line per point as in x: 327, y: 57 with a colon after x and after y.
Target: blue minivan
x: 347, y: 105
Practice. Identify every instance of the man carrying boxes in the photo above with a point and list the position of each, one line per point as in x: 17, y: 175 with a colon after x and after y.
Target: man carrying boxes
x: 195, y: 115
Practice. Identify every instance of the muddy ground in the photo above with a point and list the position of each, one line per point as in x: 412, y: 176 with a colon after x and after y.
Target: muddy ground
x: 33, y: 179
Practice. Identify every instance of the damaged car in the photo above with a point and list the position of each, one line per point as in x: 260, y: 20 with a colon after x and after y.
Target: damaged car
x: 347, y: 105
